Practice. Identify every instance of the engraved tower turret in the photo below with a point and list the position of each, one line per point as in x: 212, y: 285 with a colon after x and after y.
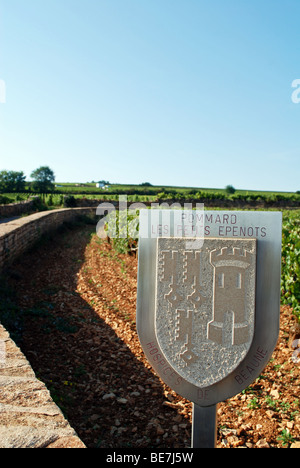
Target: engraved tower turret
x: 229, y: 325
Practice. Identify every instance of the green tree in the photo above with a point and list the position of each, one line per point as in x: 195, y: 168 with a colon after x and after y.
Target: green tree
x: 229, y: 189
x: 43, y: 179
x: 12, y: 181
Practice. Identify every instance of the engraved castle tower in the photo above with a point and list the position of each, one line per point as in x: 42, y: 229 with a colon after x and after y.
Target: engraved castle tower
x: 230, y: 324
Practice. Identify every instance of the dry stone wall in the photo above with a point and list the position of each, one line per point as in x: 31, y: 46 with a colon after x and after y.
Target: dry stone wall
x: 19, y: 235
x: 18, y: 209
x: 28, y: 416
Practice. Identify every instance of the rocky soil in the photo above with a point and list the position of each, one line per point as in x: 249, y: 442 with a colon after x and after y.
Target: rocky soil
x: 76, y: 298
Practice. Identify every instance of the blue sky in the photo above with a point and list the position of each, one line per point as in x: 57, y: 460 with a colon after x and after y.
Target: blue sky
x: 171, y: 92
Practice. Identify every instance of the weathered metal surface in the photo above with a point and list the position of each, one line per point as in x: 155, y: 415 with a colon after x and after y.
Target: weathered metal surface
x: 208, y: 298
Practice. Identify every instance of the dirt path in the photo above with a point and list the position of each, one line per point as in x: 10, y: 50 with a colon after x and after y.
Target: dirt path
x: 78, y: 301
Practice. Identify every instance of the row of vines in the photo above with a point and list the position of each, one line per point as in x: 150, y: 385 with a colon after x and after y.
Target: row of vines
x: 290, y: 269
x: 125, y: 242
x: 56, y: 198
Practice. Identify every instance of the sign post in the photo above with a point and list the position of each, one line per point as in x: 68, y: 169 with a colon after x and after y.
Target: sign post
x: 204, y: 427
x: 208, y: 303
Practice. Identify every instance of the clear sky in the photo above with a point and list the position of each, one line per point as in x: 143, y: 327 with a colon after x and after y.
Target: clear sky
x: 172, y: 92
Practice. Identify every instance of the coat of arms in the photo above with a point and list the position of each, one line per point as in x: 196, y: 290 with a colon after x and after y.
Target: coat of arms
x: 205, y: 305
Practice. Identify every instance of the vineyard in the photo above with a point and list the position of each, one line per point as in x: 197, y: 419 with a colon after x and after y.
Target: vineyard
x: 147, y: 192
x: 74, y: 316
x: 290, y: 271
x: 290, y: 280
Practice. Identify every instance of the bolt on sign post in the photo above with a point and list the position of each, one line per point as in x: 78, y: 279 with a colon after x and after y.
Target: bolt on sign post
x: 208, y: 303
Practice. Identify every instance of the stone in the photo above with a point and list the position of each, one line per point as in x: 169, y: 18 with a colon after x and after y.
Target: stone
x: 108, y: 396
x: 17, y: 236
x: 295, y: 445
x: 94, y: 417
x: 262, y: 443
x: 67, y: 442
x: 123, y: 401
x: 28, y: 416
x: 159, y: 430
x: 275, y: 394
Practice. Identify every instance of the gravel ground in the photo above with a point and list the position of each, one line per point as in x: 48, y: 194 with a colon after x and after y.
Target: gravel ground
x: 78, y: 298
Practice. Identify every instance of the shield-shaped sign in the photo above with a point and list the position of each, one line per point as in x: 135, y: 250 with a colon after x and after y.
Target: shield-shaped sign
x: 205, y: 306
x: 208, y: 307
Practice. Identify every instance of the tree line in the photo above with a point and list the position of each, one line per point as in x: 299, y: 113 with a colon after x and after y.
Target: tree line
x: 14, y: 181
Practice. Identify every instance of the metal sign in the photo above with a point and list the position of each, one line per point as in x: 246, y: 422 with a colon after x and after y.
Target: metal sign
x: 208, y: 299
x: 204, y: 306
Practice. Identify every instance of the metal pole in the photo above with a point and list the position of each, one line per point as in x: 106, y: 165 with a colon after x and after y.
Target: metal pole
x: 204, y: 427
